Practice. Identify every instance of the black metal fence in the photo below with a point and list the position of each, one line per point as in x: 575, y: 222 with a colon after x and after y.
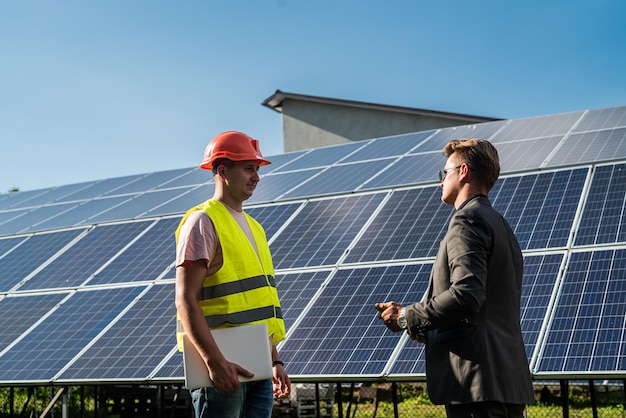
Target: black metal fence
x: 554, y: 399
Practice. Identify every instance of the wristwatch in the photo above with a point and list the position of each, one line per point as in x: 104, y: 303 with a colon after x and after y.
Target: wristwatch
x: 401, y: 321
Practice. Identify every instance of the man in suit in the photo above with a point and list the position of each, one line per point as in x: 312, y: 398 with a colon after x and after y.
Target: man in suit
x: 476, y: 364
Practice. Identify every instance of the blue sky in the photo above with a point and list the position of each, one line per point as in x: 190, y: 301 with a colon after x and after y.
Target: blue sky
x: 97, y: 89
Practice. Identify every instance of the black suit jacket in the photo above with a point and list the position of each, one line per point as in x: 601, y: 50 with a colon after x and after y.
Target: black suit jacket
x: 471, y: 315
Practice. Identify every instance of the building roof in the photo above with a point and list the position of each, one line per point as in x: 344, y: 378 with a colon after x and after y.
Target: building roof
x: 275, y: 102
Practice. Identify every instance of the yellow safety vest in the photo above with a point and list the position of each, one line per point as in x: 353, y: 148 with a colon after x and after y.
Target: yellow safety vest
x: 243, y: 291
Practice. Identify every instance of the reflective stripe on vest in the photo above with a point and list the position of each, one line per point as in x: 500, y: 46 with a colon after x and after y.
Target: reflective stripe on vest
x: 239, y: 318
x: 243, y: 290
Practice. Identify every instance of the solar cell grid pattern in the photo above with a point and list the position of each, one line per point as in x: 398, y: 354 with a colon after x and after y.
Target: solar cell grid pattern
x: 607, y: 118
x: 410, y: 225
x: 482, y: 130
x: 341, y: 334
x: 280, y: 160
x: 33, y: 253
x: 138, y: 205
x: 537, y: 127
x: 339, y: 178
x: 57, y: 194
x: 172, y: 369
x: 21, y: 199
x: 320, y: 157
x: 5, y: 218
x: 407, y: 170
x: 9, y: 243
x: 587, y: 329
x: 100, y: 188
x: 186, y: 200
x: 85, y: 257
x: 35, y: 216
x: 271, y: 187
x: 603, y: 219
x: 44, y: 351
x: 191, y: 177
x: 525, y: 154
x: 80, y: 212
x: 296, y: 291
x: 540, y: 207
x: 593, y: 146
x: 145, y: 259
x: 541, y: 273
x: 320, y: 233
x: 135, y: 345
x: 272, y: 218
x: 148, y: 182
x: 387, y: 147
x: 18, y: 314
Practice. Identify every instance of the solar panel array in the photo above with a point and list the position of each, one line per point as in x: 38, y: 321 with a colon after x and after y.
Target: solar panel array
x: 87, y: 270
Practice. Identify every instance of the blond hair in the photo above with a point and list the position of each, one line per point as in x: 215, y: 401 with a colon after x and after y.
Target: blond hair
x: 480, y: 155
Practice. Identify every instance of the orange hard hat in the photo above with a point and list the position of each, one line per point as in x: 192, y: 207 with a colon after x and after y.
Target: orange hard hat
x: 232, y: 145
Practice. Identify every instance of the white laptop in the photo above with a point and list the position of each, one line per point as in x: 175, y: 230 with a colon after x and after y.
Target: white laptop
x: 248, y: 346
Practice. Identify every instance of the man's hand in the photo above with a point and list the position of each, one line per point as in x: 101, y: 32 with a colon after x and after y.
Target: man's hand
x: 281, y: 382
x: 225, y: 375
x: 388, y: 312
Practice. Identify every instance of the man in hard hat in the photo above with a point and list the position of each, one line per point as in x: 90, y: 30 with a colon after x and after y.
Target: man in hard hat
x: 219, y: 245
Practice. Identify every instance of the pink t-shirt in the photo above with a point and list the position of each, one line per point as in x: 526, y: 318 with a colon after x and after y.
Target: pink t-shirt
x: 198, y: 240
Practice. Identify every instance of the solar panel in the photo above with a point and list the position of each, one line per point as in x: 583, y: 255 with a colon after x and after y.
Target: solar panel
x: 191, y: 177
x: 145, y: 259
x: 45, y: 350
x: 348, y: 226
x: 271, y: 187
x: 320, y: 233
x: 280, y: 160
x: 393, y: 146
x: 148, y: 182
x: 596, y: 119
x: 296, y: 291
x: 410, y: 169
x: 29, y: 220
x: 540, y: 207
x: 320, y: 157
x: 537, y: 127
x: 58, y: 194
x: 341, y: 334
x: 604, y: 216
x: 32, y: 255
x: 186, y: 200
x: 6, y: 225
x: 83, y: 259
x: 135, y: 344
x: 409, y: 225
x: 18, y: 314
x: 592, y: 146
x: 586, y: 330
x: 137, y: 205
x: 172, y: 369
x: 8, y: 244
x: 21, y: 199
x: 272, y: 218
x: 338, y: 178
x: 481, y: 130
x: 100, y: 188
x: 79, y: 213
x: 525, y: 154
x: 541, y: 273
